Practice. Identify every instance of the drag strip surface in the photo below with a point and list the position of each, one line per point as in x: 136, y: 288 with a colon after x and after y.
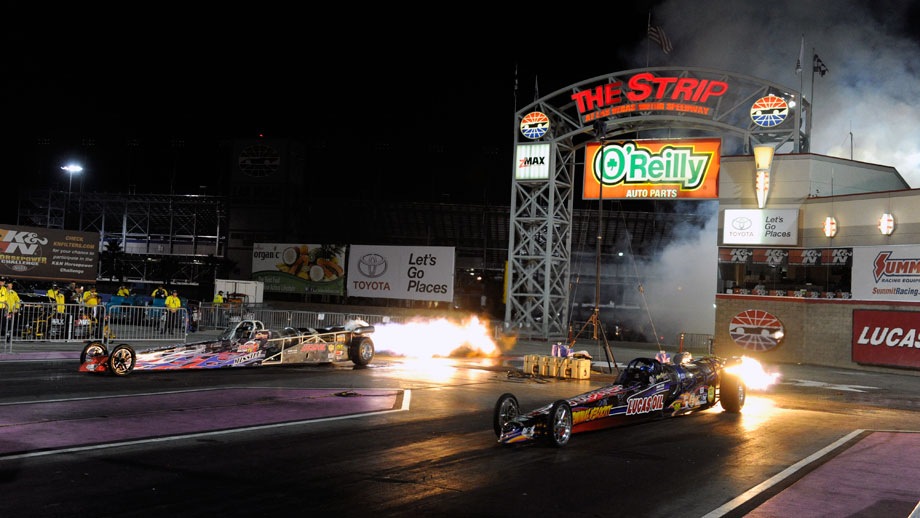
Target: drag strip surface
x: 62, y: 424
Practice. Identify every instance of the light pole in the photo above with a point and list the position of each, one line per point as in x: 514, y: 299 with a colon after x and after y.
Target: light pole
x: 71, y: 169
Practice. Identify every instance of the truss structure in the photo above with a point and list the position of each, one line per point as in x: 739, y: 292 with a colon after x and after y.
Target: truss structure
x: 148, y: 238
x: 539, y: 245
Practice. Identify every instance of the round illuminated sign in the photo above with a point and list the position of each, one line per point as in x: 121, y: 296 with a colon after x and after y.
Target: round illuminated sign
x: 756, y: 330
x: 769, y: 111
x: 534, y: 125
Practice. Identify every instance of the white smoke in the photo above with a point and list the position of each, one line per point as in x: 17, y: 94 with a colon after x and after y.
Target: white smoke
x: 873, y: 79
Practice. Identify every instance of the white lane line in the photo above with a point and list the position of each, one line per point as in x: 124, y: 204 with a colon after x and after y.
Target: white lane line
x: 779, y: 477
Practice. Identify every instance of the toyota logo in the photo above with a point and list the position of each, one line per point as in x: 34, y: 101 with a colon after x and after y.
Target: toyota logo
x: 372, y: 265
x: 741, y: 223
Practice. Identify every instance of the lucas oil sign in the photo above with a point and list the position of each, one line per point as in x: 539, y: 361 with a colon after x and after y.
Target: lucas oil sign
x: 652, y: 169
x: 888, y: 338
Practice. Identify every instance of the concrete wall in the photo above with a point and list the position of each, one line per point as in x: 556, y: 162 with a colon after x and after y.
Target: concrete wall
x: 817, y: 331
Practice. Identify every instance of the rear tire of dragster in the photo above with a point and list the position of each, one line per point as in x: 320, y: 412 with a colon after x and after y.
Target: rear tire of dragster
x: 121, y: 361
x: 732, y: 393
x: 506, y: 409
x: 92, y: 349
x: 361, y: 351
x: 559, y: 423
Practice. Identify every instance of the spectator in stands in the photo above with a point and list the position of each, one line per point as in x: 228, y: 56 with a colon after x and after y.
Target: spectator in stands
x: 160, y: 292
x: 219, y: 298
x: 173, y: 303
x: 53, y: 292
x: 123, y: 291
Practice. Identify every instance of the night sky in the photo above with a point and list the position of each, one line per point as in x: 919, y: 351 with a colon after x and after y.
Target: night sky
x: 424, y: 100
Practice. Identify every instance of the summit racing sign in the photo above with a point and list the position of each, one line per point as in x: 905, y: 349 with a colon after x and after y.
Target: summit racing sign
x: 652, y: 169
x: 886, y: 273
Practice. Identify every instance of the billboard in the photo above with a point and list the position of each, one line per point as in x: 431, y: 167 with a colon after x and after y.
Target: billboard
x: 886, y: 338
x: 401, y: 272
x: 761, y: 227
x: 49, y: 254
x: 644, y: 169
x: 886, y: 273
x: 299, y: 268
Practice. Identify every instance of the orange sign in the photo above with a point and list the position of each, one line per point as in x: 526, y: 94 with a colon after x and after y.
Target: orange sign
x: 639, y: 169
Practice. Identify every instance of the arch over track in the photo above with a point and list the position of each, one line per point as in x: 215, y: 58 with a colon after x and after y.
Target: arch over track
x: 657, y: 102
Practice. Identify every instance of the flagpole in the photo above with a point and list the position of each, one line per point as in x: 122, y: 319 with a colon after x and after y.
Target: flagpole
x: 811, y: 115
x: 648, y: 42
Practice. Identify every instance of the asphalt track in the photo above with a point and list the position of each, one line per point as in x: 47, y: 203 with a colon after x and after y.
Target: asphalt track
x: 872, y: 471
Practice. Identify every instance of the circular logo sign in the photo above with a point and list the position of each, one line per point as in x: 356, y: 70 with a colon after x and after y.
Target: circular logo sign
x: 769, y: 111
x: 372, y: 265
x: 756, y: 330
x: 742, y: 223
x: 534, y: 125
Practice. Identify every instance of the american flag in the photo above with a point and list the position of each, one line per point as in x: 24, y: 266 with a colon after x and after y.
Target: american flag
x: 656, y: 34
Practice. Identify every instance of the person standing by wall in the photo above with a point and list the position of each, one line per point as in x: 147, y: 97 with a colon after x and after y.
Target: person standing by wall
x: 173, y: 303
x: 3, y: 308
x: 219, y: 298
x: 12, y: 303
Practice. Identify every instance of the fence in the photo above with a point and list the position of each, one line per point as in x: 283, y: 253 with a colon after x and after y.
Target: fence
x: 50, y: 322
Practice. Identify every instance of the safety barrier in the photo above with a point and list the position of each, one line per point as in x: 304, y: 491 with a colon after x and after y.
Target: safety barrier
x: 50, y: 322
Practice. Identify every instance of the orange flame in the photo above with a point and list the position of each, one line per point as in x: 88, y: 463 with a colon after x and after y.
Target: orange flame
x: 753, y: 374
x: 430, y: 338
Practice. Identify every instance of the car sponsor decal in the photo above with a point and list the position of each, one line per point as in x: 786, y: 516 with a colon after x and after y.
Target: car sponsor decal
x: 589, y: 414
x: 644, y: 405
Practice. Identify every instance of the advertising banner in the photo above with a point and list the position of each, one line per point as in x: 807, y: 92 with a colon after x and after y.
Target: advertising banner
x: 299, y: 268
x: 533, y: 162
x: 641, y: 169
x: 886, y: 338
x: 886, y: 273
x: 761, y: 227
x: 401, y: 272
x: 49, y: 254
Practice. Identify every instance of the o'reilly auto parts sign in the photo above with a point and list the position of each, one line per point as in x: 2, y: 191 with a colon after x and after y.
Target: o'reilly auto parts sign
x: 401, y: 272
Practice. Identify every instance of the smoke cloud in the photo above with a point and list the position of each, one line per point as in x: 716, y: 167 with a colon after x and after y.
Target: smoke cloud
x: 870, y: 49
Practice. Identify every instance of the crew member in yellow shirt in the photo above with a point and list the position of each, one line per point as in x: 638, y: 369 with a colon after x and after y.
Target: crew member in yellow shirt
x: 173, y: 303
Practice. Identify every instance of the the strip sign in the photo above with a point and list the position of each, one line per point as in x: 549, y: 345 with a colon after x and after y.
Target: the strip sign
x: 684, y: 168
x: 761, y: 227
x: 401, y: 272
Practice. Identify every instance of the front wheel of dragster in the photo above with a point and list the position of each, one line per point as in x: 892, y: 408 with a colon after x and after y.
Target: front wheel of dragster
x: 121, y: 361
x: 506, y: 409
x: 361, y: 351
x: 559, y: 423
x: 732, y: 393
x: 92, y: 349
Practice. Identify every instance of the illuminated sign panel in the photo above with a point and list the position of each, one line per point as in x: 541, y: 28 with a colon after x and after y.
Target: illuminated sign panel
x: 49, y: 254
x: 652, y: 169
x: 648, y: 92
x: 532, y: 162
x: 761, y: 227
x: 889, y: 338
x: 886, y: 273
